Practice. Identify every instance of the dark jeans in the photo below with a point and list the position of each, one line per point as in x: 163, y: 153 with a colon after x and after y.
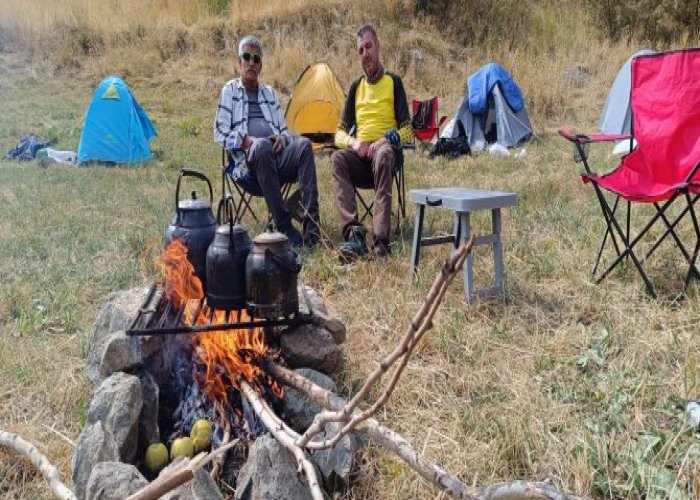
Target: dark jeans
x: 294, y: 162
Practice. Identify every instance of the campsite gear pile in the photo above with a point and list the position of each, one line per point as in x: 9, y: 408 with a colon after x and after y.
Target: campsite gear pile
x: 26, y: 149
x: 116, y: 128
x: 452, y: 147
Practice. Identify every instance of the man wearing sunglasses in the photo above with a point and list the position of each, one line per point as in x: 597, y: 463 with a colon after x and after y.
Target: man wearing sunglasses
x: 377, y: 110
x: 250, y: 126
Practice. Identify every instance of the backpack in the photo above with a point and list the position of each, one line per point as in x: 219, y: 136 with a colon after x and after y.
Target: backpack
x: 452, y: 147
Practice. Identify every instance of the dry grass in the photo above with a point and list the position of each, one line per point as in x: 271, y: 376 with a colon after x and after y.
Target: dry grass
x: 563, y: 380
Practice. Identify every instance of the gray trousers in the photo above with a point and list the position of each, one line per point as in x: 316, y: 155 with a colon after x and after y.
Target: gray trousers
x: 294, y: 162
x: 349, y: 170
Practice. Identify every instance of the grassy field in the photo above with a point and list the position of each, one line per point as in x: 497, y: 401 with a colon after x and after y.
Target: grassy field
x: 562, y: 380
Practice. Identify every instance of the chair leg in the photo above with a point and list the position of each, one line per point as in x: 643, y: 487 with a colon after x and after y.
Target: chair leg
x: 628, y: 251
x: 608, y: 232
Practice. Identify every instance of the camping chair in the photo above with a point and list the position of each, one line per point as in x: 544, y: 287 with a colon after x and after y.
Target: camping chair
x: 663, y: 168
x: 399, y: 182
x: 246, y: 190
x: 425, y: 123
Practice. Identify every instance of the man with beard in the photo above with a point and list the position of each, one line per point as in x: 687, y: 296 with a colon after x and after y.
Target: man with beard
x: 250, y: 126
x: 377, y: 110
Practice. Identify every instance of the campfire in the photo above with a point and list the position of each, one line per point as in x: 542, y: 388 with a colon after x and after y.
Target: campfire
x: 152, y: 384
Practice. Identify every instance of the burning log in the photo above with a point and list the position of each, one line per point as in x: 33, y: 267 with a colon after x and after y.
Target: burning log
x: 420, y: 324
x: 285, y: 436
x: 47, y: 469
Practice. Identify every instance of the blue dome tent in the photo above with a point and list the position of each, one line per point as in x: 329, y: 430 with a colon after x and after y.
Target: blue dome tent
x: 116, y: 128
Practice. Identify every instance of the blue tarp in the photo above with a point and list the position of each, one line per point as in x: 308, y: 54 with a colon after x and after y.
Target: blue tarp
x: 482, y: 82
x: 116, y: 128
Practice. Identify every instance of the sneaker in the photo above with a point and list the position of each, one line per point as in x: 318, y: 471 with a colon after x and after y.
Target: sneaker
x: 293, y: 235
x: 381, y: 249
x: 355, y: 246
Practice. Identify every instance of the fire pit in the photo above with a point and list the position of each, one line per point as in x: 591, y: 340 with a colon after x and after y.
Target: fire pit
x: 177, y: 362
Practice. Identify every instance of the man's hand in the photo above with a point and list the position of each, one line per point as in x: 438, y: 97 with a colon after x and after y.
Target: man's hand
x: 374, y: 147
x: 278, y: 143
x: 247, y: 141
x: 360, y: 147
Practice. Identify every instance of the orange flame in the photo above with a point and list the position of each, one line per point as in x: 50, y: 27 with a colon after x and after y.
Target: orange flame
x: 224, y: 355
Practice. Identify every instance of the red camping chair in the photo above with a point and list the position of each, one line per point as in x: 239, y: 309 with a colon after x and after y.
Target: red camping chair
x: 425, y: 123
x: 663, y: 169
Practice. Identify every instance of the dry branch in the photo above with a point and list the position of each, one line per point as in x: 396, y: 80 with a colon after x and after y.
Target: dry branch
x: 178, y: 476
x: 284, y: 436
x: 47, y: 469
x: 421, y: 323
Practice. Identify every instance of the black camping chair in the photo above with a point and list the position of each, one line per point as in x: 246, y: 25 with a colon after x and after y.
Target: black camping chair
x: 244, y: 190
x: 399, y: 182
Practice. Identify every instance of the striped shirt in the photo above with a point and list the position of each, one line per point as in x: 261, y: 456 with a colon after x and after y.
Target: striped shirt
x: 231, y: 124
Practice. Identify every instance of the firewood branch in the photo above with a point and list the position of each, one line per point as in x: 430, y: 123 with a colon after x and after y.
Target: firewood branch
x: 284, y: 435
x: 421, y: 323
x: 398, y: 445
x: 39, y: 460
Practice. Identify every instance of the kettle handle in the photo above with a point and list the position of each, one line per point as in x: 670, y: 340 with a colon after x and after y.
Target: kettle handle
x: 230, y: 209
x: 190, y: 172
x: 294, y: 269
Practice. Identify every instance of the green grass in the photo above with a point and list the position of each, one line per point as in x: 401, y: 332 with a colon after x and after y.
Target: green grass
x: 562, y: 380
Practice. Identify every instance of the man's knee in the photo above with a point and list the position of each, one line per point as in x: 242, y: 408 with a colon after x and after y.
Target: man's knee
x: 385, y: 158
x: 337, y: 160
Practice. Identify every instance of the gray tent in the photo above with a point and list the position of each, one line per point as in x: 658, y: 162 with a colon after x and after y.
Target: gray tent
x: 616, y: 117
x: 499, y: 124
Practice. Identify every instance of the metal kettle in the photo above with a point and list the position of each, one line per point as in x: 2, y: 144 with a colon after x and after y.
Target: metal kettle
x: 193, y: 223
x: 272, y: 269
x: 226, y: 261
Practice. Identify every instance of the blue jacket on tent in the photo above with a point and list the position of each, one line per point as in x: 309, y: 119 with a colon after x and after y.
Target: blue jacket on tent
x: 481, y: 83
x: 116, y: 128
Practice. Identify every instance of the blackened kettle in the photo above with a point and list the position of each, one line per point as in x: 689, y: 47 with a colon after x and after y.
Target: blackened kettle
x: 272, y: 268
x: 193, y: 223
x: 226, y: 261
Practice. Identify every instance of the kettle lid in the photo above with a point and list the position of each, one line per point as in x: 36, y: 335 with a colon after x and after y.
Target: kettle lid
x: 270, y: 236
x: 236, y: 228
x: 194, y: 203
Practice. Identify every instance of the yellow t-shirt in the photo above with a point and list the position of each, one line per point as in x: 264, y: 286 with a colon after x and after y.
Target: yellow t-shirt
x: 374, y: 108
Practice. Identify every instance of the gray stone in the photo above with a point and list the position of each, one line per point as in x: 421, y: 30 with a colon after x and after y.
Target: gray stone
x: 316, y: 301
x: 270, y: 474
x: 116, y: 316
x: 114, y: 481
x: 336, y: 464
x: 117, y: 404
x: 299, y: 410
x: 94, y: 446
x: 201, y: 487
x: 311, y: 347
x: 149, y: 432
x: 333, y: 325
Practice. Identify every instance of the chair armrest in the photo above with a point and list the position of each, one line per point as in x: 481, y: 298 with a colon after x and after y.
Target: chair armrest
x: 441, y: 121
x: 586, y: 139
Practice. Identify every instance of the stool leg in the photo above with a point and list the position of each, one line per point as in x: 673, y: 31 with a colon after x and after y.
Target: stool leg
x: 465, y: 228
x: 497, y: 248
x: 417, y: 235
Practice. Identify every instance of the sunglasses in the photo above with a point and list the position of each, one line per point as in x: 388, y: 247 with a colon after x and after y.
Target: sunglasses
x: 247, y: 56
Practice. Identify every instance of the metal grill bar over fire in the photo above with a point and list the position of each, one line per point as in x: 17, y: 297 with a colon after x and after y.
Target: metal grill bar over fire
x: 158, y: 316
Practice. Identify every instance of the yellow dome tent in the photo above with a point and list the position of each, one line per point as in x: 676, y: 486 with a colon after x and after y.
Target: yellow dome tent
x: 316, y: 104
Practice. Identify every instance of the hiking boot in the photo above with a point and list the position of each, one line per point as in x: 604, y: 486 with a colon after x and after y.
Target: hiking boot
x: 293, y: 235
x: 311, y: 238
x: 355, y: 246
x: 381, y: 249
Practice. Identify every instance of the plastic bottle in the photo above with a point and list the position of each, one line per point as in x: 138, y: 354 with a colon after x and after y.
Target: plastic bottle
x: 692, y: 411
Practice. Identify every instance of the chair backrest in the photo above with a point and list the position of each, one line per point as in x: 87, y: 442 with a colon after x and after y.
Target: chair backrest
x: 424, y: 113
x: 665, y: 96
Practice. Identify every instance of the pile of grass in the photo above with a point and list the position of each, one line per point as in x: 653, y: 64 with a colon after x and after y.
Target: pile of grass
x: 562, y: 380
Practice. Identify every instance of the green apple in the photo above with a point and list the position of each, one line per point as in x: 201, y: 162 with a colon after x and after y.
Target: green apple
x: 156, y: 457
x: 182, y: 447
